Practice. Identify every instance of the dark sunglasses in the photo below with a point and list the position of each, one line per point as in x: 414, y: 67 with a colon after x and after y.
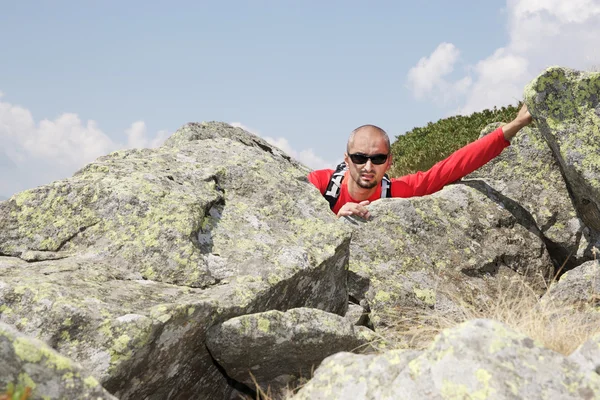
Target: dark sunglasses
x: 377, y: 159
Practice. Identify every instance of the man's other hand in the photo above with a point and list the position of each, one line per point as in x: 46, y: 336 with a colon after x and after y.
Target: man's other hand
x: 357, y: 209
x: 523, y: 119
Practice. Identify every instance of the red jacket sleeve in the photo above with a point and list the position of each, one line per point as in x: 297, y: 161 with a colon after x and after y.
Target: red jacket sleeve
x: 460, y: 163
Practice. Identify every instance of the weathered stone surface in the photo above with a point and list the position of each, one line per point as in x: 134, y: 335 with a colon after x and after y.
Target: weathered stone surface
x: 28, y: 362
x: 279, y: 347
x: 357, y: 376
x: 566, y: 105
x: 432, y: 252
x: 526, y: 179
x: 124, y: 266
x: 587, y: 356
x: 479, y: 359
x: 580, y: 286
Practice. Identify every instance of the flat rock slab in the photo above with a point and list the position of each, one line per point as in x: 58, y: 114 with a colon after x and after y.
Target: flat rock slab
x: 479, y: 359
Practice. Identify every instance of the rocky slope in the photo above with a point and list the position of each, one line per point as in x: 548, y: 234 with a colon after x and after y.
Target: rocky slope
x: 195, y: 269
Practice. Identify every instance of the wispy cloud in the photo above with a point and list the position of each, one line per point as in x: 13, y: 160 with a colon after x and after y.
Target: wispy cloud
x: 34, y: 153
x: 541, y: 34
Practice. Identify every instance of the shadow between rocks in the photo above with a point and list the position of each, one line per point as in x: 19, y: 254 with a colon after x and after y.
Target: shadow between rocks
x: 563, y: 258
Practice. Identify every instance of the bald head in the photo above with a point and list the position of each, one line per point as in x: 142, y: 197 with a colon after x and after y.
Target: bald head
x: 367, y: 130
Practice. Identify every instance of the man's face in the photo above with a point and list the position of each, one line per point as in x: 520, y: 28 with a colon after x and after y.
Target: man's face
x: 367, y: 142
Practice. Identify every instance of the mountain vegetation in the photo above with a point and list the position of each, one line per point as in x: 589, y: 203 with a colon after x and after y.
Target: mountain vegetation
x: 420, y: 148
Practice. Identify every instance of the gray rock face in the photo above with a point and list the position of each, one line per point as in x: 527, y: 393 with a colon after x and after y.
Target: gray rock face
x: 418, y: 252
x: 566, y: 105
x: 357, y: 376
x: 526, y: 180
x: 577, y: 286
x: 125, y: 266
x: 278, y: 347
x: 587, y: 356
x: 28, y: 362
x: 356, y: 315
x: 478, y: 359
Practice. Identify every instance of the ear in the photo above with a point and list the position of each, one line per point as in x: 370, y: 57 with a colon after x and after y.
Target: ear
x: 389, y: 162
x: 346, y: 159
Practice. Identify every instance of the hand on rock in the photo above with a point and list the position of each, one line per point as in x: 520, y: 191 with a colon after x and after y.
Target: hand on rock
x: 358, y: 209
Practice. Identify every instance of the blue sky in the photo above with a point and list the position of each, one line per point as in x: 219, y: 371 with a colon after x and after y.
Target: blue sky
x: 81, y: 79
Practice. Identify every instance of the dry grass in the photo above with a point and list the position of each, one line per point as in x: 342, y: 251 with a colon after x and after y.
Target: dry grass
x: 267, y: 394
x: 560, y: 327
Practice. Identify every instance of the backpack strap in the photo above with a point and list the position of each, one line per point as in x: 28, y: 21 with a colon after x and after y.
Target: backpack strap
x: 335, y: 183
x: 386, y: 187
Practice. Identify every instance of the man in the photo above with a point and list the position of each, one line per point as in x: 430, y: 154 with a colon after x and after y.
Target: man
x: 368, y: 158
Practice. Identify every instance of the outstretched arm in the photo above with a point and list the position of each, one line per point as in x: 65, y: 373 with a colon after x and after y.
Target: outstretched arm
x: 523, y: 119
x: 462, y: 162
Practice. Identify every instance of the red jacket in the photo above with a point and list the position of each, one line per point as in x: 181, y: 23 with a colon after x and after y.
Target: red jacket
x: 460, y: 163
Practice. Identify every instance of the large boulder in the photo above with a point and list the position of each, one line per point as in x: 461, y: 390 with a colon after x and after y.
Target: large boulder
x: 126, y: 265
x: 274, y: 349
x: 526, y: 180
x: 30, y: 363
x: 566, y: 105
x: 438, y: 252
x: 479, y: 359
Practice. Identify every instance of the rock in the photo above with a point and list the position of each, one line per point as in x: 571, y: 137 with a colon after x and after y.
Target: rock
x: 356, y: 376
x: 587, y: 356
x: 434, y: 252
x: 276, y: 348
x: 526, y: 180
x: 566, y: 106
x: 477, y: 359
x: 578, y: 287
x: 126, y: 265
x: 356, y: 315
x: 27, y: 362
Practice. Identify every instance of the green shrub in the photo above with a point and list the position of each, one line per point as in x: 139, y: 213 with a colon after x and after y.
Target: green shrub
x: 420, y: 148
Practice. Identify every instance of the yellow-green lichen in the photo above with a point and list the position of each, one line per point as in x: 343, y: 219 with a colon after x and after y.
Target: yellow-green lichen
x: 91, y: 382
x: 454, y: 391
x: 25, y: 380
x: 26, y: 350
x: 264, y: 324
x: 414, y: 367
x: 382, y: 296
x: 425, y: 295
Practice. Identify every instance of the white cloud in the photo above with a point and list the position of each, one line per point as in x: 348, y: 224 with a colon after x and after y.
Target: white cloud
x: 306, y: 157
x: 137, y: 136
x: 428, y: 75
x: 36, y: 153
x: 542, y: 33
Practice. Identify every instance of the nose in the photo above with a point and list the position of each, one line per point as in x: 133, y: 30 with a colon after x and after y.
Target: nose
x: 368, y: 165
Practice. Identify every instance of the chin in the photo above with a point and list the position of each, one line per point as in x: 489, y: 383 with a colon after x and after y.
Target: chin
x: 367, y: 185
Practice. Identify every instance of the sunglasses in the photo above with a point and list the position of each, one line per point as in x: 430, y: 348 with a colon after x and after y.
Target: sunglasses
x: 377, y: 159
